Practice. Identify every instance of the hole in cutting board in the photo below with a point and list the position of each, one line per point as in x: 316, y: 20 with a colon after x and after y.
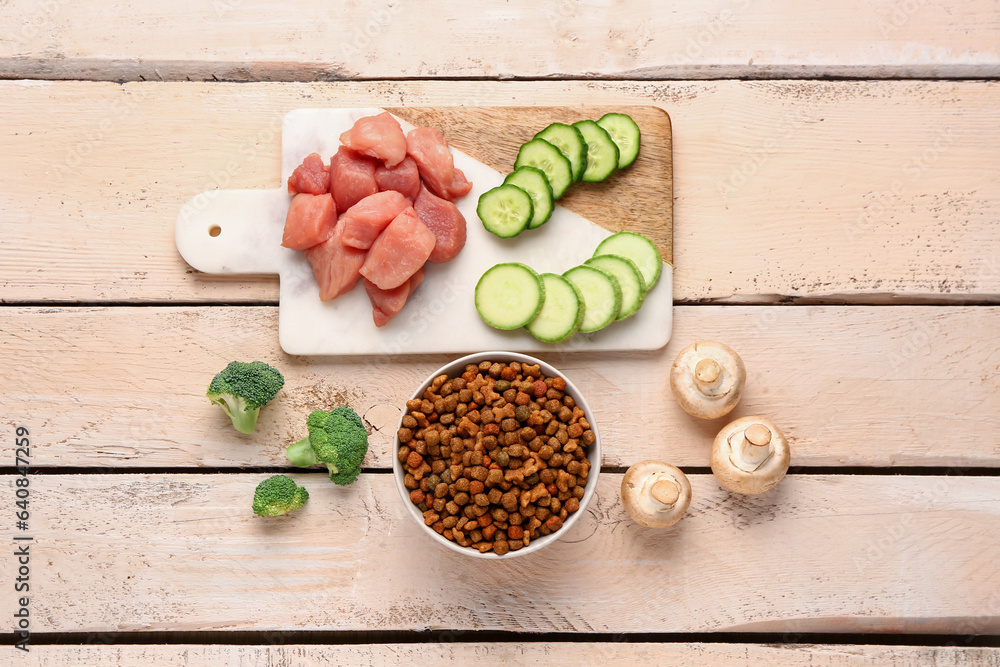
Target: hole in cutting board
x: 214, y: 231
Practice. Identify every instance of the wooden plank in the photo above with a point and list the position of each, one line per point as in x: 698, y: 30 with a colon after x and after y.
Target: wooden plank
x: 570, y: 654
x: 850, y: 386
x: 637, y: 200
x: 818, y: 554
x: 252, y: 41
x: 856, y: 191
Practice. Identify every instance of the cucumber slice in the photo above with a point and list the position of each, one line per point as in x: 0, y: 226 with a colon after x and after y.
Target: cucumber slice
x: 570, y: 142
x: 505, y: 210
x: 602, y: 152
x: 625, y: 133
x: 509, y: 295
x: 562, y: 311
x: 602, y: 296
x: 639, y: 249
x: 543, y: 155
x: 533, y: 181
x: 629, y: 279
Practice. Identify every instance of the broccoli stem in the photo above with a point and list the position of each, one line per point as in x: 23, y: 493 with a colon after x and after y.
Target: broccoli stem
x: 246, y: 422
x: 302, y: 454
x: 244, y: 418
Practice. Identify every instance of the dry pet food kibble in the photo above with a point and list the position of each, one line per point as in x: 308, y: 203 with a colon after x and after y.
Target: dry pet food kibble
x: 496, y: 457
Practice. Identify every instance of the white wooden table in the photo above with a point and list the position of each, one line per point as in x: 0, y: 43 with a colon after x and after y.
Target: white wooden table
x: 836, y: 221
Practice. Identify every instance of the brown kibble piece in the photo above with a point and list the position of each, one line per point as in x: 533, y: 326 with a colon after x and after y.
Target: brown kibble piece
x: 494, y: 477
x: 414, y: 460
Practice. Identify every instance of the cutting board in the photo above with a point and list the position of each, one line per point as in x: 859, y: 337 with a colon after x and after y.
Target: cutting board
x: 239, y: 232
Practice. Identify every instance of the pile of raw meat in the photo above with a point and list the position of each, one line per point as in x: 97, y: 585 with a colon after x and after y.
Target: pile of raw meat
x: 394, y: 193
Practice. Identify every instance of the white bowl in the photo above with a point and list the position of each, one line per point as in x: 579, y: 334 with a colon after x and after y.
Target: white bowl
x: 455, y: 369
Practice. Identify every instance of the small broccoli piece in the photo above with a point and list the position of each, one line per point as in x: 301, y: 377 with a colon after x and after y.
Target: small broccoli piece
x: 336, y: 438
x: 278, y: 495
x: 242, y: 388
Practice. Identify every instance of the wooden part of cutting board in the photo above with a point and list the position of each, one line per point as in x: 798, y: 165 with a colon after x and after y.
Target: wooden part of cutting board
x: 637, y: 199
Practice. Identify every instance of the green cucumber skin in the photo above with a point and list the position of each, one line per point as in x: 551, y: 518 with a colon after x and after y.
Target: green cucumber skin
x: 524, y: 159
x: 481, y: 298
x: 597, y: 138
x: 623, y: 124
x: 486, y: 201
x: 568, y: 333
x: 552, y: 131
x: 597, y: 261
x: 607, y: 247
x: 540, y: 214
x: 617, y: 297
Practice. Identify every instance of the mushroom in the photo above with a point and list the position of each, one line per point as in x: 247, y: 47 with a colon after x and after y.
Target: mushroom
x: 707, y: 379
x: 655, y: 494
x: 750, y: 455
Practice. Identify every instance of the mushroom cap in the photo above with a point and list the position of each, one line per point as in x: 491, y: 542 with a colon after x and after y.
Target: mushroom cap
x: 752, y: 477
x: 707, y: 379
x: 657, y: 508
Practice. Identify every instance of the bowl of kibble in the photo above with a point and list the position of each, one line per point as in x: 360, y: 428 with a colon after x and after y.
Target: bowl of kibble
x: 497, y: 455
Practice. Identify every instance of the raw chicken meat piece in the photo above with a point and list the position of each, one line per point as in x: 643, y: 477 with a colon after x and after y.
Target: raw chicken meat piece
x: 460, y: 186
x: 311, y: 177
x: 399, y: 251
x: 446, y: 222
x: 352, y: 177
x: 336, y: 266
x: 364, y: 221
x: 310, y: 220
x: 386, y: 304
x: 404, y: 178
x: 378, y: 136
x: 428, y: 147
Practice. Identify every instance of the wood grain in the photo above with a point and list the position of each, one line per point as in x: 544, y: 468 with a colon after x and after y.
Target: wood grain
x: 845, y: 191
x: 817, y: 554
x: 850, y: 386
x: 250, y: 41
x: 639, y: 199
x: 569, y: 654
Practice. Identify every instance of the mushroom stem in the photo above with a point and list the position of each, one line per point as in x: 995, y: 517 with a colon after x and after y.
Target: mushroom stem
x: 751, y: 448
x: 707, y: 371
x: 665, y: 491
x: 757, y: 435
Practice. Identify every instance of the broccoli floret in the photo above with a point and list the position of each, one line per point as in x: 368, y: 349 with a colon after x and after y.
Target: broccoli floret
x: 278, y: 495
x: 336, y: 438
x: 242, y: 388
